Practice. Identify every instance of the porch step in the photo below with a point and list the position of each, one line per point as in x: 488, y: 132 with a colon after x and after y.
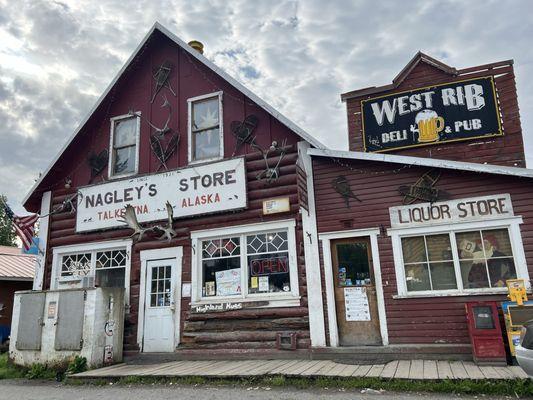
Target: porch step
x: 345, y: 355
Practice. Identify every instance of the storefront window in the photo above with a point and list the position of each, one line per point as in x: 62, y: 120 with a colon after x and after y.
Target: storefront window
x: 250, y: 264
x: 428, y: 263
x: 483, y: 258
x: 486, y: 258
x: 104, y: 264
x: 221, y: 267
x: 268, y: 263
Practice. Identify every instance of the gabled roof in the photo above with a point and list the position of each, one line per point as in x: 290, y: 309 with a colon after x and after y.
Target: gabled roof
x: 417, y: 59
x: 239, y: 86
x: 15, y: 266
x: 424, y: 162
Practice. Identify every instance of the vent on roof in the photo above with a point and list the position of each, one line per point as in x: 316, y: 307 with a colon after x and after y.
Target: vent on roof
x: 196, y: 45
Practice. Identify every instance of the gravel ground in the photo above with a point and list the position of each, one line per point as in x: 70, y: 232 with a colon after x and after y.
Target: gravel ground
x: 32, y: 390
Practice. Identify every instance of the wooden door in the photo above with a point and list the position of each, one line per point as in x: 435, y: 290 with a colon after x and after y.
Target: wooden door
x: 355, y: 292
x: 160, y: 309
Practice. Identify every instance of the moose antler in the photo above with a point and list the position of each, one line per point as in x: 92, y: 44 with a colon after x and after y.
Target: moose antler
x: 168, y: 231
x: 130, y: 218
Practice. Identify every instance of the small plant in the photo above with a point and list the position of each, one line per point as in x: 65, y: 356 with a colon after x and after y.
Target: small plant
x: 77, y: 365
x: 40, y: 371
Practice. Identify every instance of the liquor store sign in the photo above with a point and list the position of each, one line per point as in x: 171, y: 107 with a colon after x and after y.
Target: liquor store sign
x: 452, y: 212
x: 200, y: 189
x: 441, y: 113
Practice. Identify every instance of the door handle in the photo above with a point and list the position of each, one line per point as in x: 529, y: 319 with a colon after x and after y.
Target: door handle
x: 172, y: 306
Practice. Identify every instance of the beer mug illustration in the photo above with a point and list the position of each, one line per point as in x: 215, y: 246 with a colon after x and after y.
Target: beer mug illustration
x: 429, y: 126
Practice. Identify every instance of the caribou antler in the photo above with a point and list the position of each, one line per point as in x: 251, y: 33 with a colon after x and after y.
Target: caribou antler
x: 270, y: 173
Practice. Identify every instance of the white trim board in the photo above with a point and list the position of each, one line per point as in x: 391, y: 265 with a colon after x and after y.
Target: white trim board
x: 204, y: 60
x: 315, y: 305
x: 154, y: 255
x: 326, y: 239
x: 40, y: 259
x: 424, y: 162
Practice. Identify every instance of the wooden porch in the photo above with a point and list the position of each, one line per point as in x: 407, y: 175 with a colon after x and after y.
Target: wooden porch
x: 398, y: 369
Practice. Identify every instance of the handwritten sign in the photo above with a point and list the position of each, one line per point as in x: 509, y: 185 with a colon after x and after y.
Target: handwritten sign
x: 228, y: 282
x: 201, y: 189
x: 224, y: 307
x: 439, y: 113
x: 453, y: 211
x: 356, y: 304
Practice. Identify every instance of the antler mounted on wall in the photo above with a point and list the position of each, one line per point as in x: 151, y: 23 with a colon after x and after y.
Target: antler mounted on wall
x: 130, y: 219
x: 271, y: 173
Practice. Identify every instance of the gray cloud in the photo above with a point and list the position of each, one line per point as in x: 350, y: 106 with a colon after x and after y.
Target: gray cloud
x: 57, y: 57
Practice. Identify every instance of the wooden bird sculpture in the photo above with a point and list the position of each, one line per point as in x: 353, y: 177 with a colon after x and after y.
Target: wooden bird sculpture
x: 342, y: 186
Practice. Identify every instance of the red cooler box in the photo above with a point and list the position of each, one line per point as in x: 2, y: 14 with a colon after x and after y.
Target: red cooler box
x: 485, y: 333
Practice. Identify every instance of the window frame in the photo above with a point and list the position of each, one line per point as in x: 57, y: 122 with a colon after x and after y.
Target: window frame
x: 277, y: 299
x: 93, y: 248
x: 190, y: 102
x: 511, y: 224
x: 113, y: 121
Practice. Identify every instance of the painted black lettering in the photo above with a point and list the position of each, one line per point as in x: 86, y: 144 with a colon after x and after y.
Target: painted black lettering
x: 194, y: 180
x: 184, y: 185
x: 152, y: 190
x: 445, y: 210
x: 218, y: 177
x: 230, y: 178
x: 139, y: 190
x: 127, y: 194
x: 462, y: 211
x: 206, y: 181
x: 89, y: 201
x: 501, y: 203
x: 108, y: 198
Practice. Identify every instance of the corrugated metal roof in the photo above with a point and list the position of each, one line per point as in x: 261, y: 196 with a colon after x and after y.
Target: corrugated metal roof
x: 14, y: 265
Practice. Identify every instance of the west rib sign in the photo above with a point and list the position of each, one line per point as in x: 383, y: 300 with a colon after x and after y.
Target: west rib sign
x: 199, y: 189
x: 441, y: 113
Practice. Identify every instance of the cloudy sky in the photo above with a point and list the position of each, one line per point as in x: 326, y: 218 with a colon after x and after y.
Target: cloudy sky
x: 56, y: 57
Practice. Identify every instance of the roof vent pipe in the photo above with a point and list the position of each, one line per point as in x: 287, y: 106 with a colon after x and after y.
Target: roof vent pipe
x: 196, y: 45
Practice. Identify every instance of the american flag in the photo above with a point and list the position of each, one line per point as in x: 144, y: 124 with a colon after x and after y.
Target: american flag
x: 23, y: 226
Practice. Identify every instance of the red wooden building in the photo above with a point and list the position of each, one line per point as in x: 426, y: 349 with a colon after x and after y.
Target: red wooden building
x: 212, y: 252
x: 429, y: 210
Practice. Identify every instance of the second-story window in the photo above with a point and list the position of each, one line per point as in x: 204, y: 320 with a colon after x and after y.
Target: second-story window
x: 124, y: 146
x: 205, y: 128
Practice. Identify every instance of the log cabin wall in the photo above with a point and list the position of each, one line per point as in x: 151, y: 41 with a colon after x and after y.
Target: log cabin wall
x: 501, y: 150
x: 250, y: 328
x: 428, y: 320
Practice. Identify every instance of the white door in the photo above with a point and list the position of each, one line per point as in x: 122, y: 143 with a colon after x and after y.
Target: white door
x: 160, y: 305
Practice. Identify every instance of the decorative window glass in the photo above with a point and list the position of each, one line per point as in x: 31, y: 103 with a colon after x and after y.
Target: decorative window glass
x: 251, y: 264
x: 108, y: 267
x: 268, y: 263
x: 221, y: 269
x: 76, y: 265
x: 205, y: 128
x: 111, y: 268
x: 458, y: 261
x: 124, y: 145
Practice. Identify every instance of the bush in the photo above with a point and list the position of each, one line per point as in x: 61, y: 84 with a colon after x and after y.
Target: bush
x: 78, y: 364
x: 41, y: 371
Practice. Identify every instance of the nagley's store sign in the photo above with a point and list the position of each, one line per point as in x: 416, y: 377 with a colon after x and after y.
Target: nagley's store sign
x: 193, y: 190
x: 441, y: 113
x: 452, y: 212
